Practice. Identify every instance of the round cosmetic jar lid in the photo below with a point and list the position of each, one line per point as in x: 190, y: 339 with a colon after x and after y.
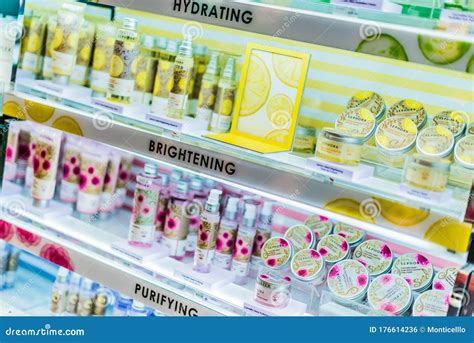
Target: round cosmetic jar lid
x: 308, y: 265
x: 391, y: 293
x: 444, y: 280
x: 369, y: 100
x: 454, y: 121
x: 375, y: 255
x: 416, y: 269
x: 410, y: 109
x: 277, y: 252
x: 396, y: 135
x: 431, y: 162
x: 358, y: 122
x: 348, y: 280
x: 435, y: 141
x: 301, y: 237
x: 342, y: 137
x: 432, y: 303
x: 354, y: 236
x: 333, y: 248
x: 464, y: 152
x: 321, y: 227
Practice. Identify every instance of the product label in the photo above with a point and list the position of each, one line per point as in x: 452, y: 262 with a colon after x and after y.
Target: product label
x: 206, y: 238
x: 242, y: 253
x: 62, y: 63
x: 79, y: 74
x: 121, y: 87
x: 350, y: 233
x: 163, y: 81
x: 30, y: 62
x: 307, y: 264
x: 375, y: 255
x: 58, y: 301
x: 88, y: 203
x: 333, y: 248
x: 145, y: 204
x: 72, y: 300
x: 319, y: 226
x: 68, y: 191
x: 432, y: 303
x: 409, y: 109
x: 161, y: 212
x: 348, y: 280
x: 48, y: 67
x: 99, y: 81
x: 445, y: 279
x: 179, y: 92
x: 10, y: 171
x: 261, y: 237
x: 207, y: 99
x: 176, y: 227
x: 389, y: 293
x: 300, y: 236
x: 416, y: 269
x: 276, y: 252
x: 84, y: 307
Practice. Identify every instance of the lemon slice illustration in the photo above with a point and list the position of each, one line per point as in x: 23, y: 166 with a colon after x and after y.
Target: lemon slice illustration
x: 280, y: 104
x: 279, y: 136
x: 288, y: 69
x: 141, y: 79
x: 116, y: 68
x: 401, y: 215
x: 72, y: 40
x: 227, y: 106
x: 14, y: 109
x: 449, y: 233
x: 110, y: 41
x: 134, y: 66
x: 38, y: 112
x: 409, y: 126
x: 348, y: 207
x: 85, y: 53
x: 68, y: 124
x: 99, y: 59
x: 57, y: 39
x: 257, y: 87
x: 34, y: 43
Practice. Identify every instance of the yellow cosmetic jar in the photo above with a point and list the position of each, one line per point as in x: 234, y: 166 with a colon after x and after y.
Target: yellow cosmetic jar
x: 338, y: 147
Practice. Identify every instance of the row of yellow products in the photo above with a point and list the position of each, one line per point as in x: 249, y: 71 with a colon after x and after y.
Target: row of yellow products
x: 176, y: 78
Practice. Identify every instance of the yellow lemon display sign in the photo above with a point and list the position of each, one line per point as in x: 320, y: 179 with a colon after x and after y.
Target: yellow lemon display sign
x: 257, y: 87
x: 348, y: 207
x: 450, y: 233
x: 38, y: 112
x: 68, y: 124
x: 401, y: 215
x: 268, y: 99
x: 14, y: 110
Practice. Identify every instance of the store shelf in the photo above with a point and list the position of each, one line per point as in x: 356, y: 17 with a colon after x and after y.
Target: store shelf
x: 326, y: 29
x: 283, y: 175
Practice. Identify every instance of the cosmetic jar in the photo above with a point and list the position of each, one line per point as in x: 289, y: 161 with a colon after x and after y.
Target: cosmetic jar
x: 308, y: 266
x: 427, y: 173
x: 464, y: 152
x: 351, y: 234
x: 301, y: 237
x: 410, y: 109
x: 416, y: 269
x: 435, y: 141
x: 305, y: 140
x: 391, y: 293
x: 470, y: 129
x: 396, y: 136
x: 444, y: 280
x: 348, y: 281
x: 320, y: 227
x: 333, y: 248
x: 375, y: 255
x: 272, y: 289
x: 357, y: 122
x: 431, y: 303
x: 339, y: 147
x: 277, y: 253
x: 369, y: 100
x: 454, y: 121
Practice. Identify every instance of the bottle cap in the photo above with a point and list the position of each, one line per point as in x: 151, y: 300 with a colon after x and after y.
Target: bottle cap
x: 196, y: 184
x: 186, y: 47
x: 182, y: 187
x: 151, y: 169
x: 267, y: 209
x: 148, y: 41
x: 63, y: 274
x: 129, y: 23
x: 172, y: 47
x: 214, y: 197
x: 161, y: 42
x: 209, y: 183
x: 250, y: 212
x: 213, y: 65
x: 136, y: 305
x: 165, y: 179
x: 229, y: 69
x: 232, y: 205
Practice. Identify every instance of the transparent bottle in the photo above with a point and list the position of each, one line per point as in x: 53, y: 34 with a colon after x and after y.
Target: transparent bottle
x: 144, y: 70
x: 177, y: 221
x: 59, y: 292
x: 12, y: 267
x: 226, y: 235
x: 145, y: 204
x: 200, y: 63
x: 122, y: 306
x: 126, y: 47
x: 86, y: 298
x: 73, y: 294
x: 224, y: 106
x: 162, y: 207
x: 137, y: 309
x: 244, y: 244
x: 208, y: 91
x: 198, y: 202
x: 182, y: 74
x: 164, y: 78
x: 4, y: 251
x: 206, y: 237
x: 263, y: 233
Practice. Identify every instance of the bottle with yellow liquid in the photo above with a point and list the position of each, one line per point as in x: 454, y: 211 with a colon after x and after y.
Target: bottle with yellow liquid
x: 126, y: 47
x: 182, y: 74
x: 47, y: 68
x: 164, y: 78
x: 224, y: 107
x: 200, y: 63
x: 101, y: 61
x: 144, y: 71
x: 86, y: 40
x: 32, y: 59
x: 208, y: 91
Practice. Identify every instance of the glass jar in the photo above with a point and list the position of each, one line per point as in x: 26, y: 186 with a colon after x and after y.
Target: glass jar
x: 427, y: 173
x: 305, y: 140
x: 272, y: 289
x: 410, y: 109
x: 338, y: 147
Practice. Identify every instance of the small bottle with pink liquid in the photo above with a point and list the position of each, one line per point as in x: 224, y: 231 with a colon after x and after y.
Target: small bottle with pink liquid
x: 145, y: 203
x: 199, y: 197
x: 225, y: 241
x: 162, y: 207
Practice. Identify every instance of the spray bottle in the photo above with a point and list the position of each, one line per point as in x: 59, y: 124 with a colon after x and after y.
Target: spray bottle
x: 226, y: 235
x: 208, y: 91
x: 199, y: 200
x: 264, y: 231
x: 59, y: 292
